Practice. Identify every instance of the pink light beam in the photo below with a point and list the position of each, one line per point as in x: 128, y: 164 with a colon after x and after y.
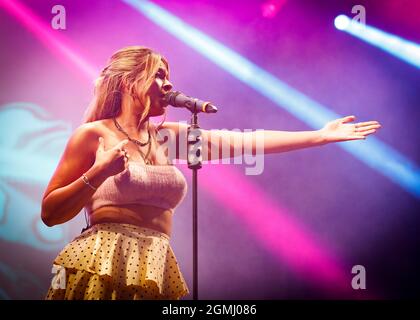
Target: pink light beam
x: 51, y: 38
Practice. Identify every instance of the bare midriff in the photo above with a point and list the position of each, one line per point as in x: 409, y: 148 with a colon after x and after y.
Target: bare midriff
x: 145, y: 216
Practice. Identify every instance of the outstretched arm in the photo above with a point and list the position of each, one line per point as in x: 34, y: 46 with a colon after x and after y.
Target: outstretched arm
x: 219, y: 144
x: 334, y: 131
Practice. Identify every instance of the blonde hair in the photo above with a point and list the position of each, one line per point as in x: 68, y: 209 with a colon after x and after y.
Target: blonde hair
x: 131, y: 68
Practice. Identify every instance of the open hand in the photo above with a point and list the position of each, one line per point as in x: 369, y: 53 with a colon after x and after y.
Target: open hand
x: 340, y: 130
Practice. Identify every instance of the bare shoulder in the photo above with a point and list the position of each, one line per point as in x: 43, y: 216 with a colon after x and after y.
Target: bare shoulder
x: 94, y: 127
x: 78, y: 156
x: 92, y: 130
x: 85, y: 135
x: 84, y: 139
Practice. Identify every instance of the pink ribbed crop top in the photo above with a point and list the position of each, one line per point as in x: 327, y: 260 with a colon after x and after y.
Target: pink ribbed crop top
x: 161, y: 186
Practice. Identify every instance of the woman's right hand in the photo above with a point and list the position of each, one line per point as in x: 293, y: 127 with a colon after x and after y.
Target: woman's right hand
x: 112, y: 161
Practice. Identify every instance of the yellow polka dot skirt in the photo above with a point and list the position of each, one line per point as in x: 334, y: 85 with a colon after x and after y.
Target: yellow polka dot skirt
x: 114, y: 261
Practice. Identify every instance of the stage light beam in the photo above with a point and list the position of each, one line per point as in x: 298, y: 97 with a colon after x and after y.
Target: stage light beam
x: 403, y: 49
x: 341, y: 22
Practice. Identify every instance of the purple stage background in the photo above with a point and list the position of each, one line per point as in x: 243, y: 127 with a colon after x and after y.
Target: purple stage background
x: 355, y: 213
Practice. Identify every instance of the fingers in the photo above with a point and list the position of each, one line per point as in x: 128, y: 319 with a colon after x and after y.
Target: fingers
x: 121, y: 144
x: 126, y: 157
x: 360, y: 130
x: 119, y: 147
x: 124, y: 153
x: 120, y: 150
x: 361, y: 135
x: 348, y: 119
x: 368, y: 127
x: 354, y: 137
x: 368, y: 123
x: 362, y: 125
x: 365, y: 133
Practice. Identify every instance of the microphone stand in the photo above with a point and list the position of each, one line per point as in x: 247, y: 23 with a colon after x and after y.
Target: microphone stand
x: 194, y: 159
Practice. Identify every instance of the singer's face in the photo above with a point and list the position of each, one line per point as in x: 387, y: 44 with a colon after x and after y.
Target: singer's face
x: 158, y: 89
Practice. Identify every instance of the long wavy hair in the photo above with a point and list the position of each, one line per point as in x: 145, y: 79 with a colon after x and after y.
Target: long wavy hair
x: 132, y: 68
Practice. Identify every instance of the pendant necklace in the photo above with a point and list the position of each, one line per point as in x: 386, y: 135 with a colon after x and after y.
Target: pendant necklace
x: 138, y: 143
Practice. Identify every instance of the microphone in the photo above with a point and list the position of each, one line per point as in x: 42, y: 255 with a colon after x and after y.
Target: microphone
x: 180, y: 100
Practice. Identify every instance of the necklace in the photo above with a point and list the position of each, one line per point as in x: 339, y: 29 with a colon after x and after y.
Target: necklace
x: 137, y: 142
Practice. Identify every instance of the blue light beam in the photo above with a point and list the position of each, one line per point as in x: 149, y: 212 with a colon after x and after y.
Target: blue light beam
x: 405, y: 50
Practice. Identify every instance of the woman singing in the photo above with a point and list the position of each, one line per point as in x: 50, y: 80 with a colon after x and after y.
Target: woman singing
x: 113, y: 166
